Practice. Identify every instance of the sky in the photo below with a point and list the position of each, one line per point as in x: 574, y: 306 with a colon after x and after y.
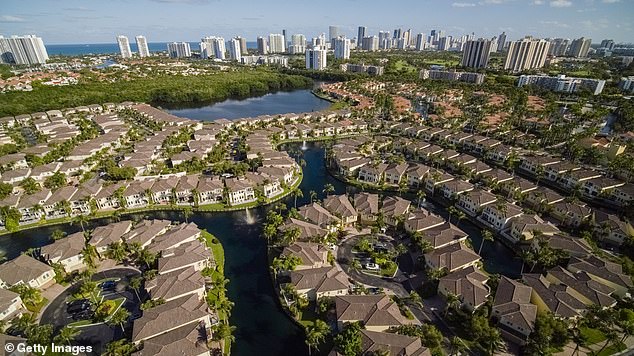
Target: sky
x: 92, y: 21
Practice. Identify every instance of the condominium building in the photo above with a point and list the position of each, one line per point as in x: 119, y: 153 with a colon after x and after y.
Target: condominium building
x: 277, y: 43
x: 362, y: 68
x: 263, y: 47
x: 298, y: 44
x: 22, y: 50
x: 235, y: 52
x: 333, y: 32
x: 564, y: 84
x: 274, y: 60
x: 360, y: 35
x: 370, y: 43
x: 316, y: 58
x: 468, y: 77
x: 420, y: 42
x: 243, y: 45
x: 627, y: 83
x: 141, y: 43
x: 559, y: 47
x: 580, y: 47
x: 212, y: 47
x: 444, y: 43
x: 608, y: 44
x: 124, y: 46
x: 385, y: 41
x: 476, y: 53
x: 342, y: 48
x: 527, y: 53
x: 179, y: 50
x: 501, y: 42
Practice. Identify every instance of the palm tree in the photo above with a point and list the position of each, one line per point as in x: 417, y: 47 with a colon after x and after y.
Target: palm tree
x: 328, y: 188
x: 494, y: 342
x: 452, y: 212
x: 136, y: 283
x: 316, y: 334
x: 580, y: 339
x: 119, y: 348
x: 453, y: 301
x: 81, y: 219
x: 421, y: 196
x: 146, y: 257
x: 66, y: 335
x: 116, y: 251
x: 119, y: 318
x: 187, y: 213
x: 23, y: 325
x: 355, y: 265
x: 486, y: 236
x: 90, y: 256
x: 313, y: 195
x: 456, y: 345
x: 297, y: 193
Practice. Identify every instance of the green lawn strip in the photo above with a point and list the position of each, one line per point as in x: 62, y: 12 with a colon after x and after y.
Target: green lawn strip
x: 593, y: 336
x: 79, y: 323
x: 216, y: 248
x: 118, y: 303
x: 35, y: 308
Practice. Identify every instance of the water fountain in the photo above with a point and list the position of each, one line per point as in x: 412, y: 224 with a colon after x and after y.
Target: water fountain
x: 249, y: 219
x: 304, y: 145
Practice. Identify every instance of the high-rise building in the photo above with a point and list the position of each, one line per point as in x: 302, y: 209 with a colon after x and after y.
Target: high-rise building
x: 501, y: 42
x: 212, y: 47
x: 385, y: 42
x: 469, y: 77
x: 579, y: 48
x: 407, y: 36
x: 298, y: 44
x: 558, y: 47
x: 342, y: 48
x: 420, y: 42
x: 235, y: 51
x: 141, y: 43
x: 397, y: 33
x: 360, y: 35
x: 243, y: 45
x: 124, y: 46
x: 443, y: 43
x: 333, y: 32
x: 370, y: 43
x: 22, y: 50
x: 608, y: 44
x: 561, y: 83
x: 179, y: 50
x: 476, y: 53
x: 262, y: 46
x: 316, y: 58
x: 527, y: 53
x: 277, y: 43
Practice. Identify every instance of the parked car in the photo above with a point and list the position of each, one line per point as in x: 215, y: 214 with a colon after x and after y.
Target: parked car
x: 78, y: 306
x: 108, y: 285
x: 371, y: 266
x: 83, y: 315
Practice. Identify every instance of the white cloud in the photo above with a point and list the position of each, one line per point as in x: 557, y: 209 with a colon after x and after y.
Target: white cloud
x: 10, y: 18
x: 537, y: 2
x: 463, y: 4
x: 611, y: 1
x: 560, y: 3
x: 555, y: 24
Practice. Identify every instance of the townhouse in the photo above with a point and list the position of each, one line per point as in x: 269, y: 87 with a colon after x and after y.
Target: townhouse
x: 474, y: 201
x: 376, y: 312
x: 26, y: 270
x: 239, y: 191
x: 67, y: 251
x: 513, y: 310
x: 341, y: 207
x: 469, y: 284
x: 316, y: 283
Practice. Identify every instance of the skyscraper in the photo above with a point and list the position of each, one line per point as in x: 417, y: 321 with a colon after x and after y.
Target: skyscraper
x: 277, y: 43
x: 316, y: 58
x: 333, y: 32
x: 370, y: 43
x: 179, y: 50
x: 23, y: 50
x: 235, y: 52
x: 420, y: 42
x: 141, y: 44
x: 527, y: 53
x: 124, y: 46
x: 476, y: 53
x: 262, y: 46
x: 385, y: 42
x: 443, y: 43
x: 298, y: 44
x: 360, y: 35
x: 243, y: 45
x: 501, y: 42
x: 559, y: 47
x: 342, y: 48
x: 608, y: 44
x: 397, y: 33
x: 212, y: 46
x: 579, y: 48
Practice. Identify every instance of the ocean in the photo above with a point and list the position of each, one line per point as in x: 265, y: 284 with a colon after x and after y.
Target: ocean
x: 111, y: 48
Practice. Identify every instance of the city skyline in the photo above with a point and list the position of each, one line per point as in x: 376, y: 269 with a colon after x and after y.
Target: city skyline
x: 71, y: 22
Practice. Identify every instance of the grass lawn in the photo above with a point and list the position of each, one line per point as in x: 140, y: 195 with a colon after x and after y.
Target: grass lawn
x: 611, y: 350
x: 442, y: 62
x: 401, y: 64
x: 35, y: 308
x: 579, y: 73
x: 118, y: 303
x: 216, y: 249
x: 80, y: 323
x: 592, y: 335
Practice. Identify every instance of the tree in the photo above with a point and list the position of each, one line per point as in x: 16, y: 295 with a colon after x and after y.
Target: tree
x: 313, y: 195
x: 56, y: 181
x: 146, y: 257
x: 187, y: 213
x: 22, y: 325
x: 120, y: 317
x: 119, y: 348
x: 549, y: 335
x: 66, y: 335
x: 328, y: 189
x: 222, y: 331
x: 452, y: 211
x: 30, y: 186
x: 486, y: 236
x: 456, y: 345
x: 415, y: 298
x: 90, y: 256
x: 136, y: 284
x: 297, y: 193
x: 316, y: 334
x: 81, y: 220
x: 28, y: 294
x: 57, y: 234
x: 348, y: 342
x: 420, y: 195
x: 5, y: 190
x: 453, y: 302
x: 117, y: 251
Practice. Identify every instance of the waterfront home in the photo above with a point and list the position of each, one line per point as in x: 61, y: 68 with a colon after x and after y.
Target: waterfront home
x: 191, y: 254
x: 443, y: 235
x: 373, y: 173
x: 284, y: 174
x: 394, y: 210
x: 67, y: 251
x: 138, y: 194
x: 517, y: 187
x: 553, y: 298
x: 240, y: 191
x: 102, y: 236
x: 537, y: 164
x: 435, y: 178
x: 469, y: 284
x: 367, y: 205
x: 185, y: 189
x: 30, y: 206
x: 573, y: 246
x: 311, y: 255
x: 26, y: 270
x: 598, y: 186
x: 571, y: 213
x: 209, y: 190
x: 191, y: 339
x: 307, y: 230
x: 316, y: 283
x: 11, y: 305
x: 472, y: 202
x: 611, y: 229
x: 526, y: 227
x: 269, y: 186
x: 582, y: 287
x: 499, y: 215
x: 320, y: 216
x: 107, y: 199
x: 373, y: 342
x: 340, y: 206
x: 350, y: 168
x: 416, y: 174
x: 394, y: 172
x: 176, y: 313
x: 496, y: 176
x: 58, y: 205
x: 176, y: 284
x: 454, y: 188
x: 574, y: 179
x: 174, y: 237
x: 376, y: 312
x: 623, y: 195
x: 421, y: 220
x: 80, y: 202
x: 163, y: 190
x: 14, y: 176
x: 513, y: 309
x: 604, y: 272
x: 451, y: 257
x: 542, y: 198
x: 555, y: 172
x: 146, y: 231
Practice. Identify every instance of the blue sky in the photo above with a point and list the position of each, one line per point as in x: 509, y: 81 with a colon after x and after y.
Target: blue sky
x: 92, y: 21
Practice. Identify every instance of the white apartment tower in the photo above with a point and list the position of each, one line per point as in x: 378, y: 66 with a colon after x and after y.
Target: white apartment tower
x: 298, y: 44
x: 580, y: 47
x: 22, y: 50
x: 124, y: 46
x: 179, y: 50
x: 263, y: 47
x: 212, y: 47
x: 476, y: 53
x: 420, y: 42
x: 277, y: 43
x: 243, y: 45
x: 370, y: 43
x: 316, y: 58
x: 235, y: 52
x: 527, y: 53
x: 141, y: 43
x: 342, y: 48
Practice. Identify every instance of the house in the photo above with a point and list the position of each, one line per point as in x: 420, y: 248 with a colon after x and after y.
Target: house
x: 394, y: 209
x: 240, y: 191
x: 137, y: 194
x: 517, y: 187
x: 103, y: 236
x: 435, y: 179
x: 453, y: 188
x: 495, y: 177
x: 583, y: 287
x: 394, y: 172
x: 185, y: 189
x: 611, y: 229
x: 527, y: 227
x: 444, y: 235
x: 174, y: 237
x: 499, y: 215
x: 573, y: 179
x: 373, y: 173
x: 623, y: 195
x: 472, y: 202
x: 571, y: 213
x: 30, y: 206
x: 556, y: 171
x: 319, y: 216
x: 315, y: 283
x: 574, y: 246
x: 350, y: 168
x: 163, y: 190
x: 376, y: 312
x: 513, y: 309
x: 67, y: 251
x: 11, y: 305
x: 107, y: 198
x: 190, y: 254
x: 312, y: 255
x: 210, y: 190
x: 553, y: 298
x: 146, y: 231
x: 80, y: 202
x: 177, y: 284
x: 373, y: 342
x: 307, y: 230
x: 451, y: 257
x: 604, y: 272
x: 367, y: 205
x: 26, y: 270
x: 190, y: 339
x: 416, y: 174
x: 421, y: 220
x: 58, y: 205
x: 340, y: 206
x: 542, y: 198
x: 536, y: 165
x: 598, y: 186
x: 469, y: 284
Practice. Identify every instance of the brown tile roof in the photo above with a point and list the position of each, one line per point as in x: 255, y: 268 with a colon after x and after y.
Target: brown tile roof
x: 324, y: 279
x: 513, y: 303
x: 176, y: 283
x: 395, y: 344
x: 468, y: 284
x: 339, y: 205
x: 367, y: 203
x: 310, y: 253
x: 66, y: 247
x: 372, y: 310
x: 22, y: 269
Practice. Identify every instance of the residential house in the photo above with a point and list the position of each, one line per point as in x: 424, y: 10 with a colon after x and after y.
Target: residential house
x: 526, y: 227
x: 436, y: 178
x: 395, y: 209
x: 240, y: 191
x: 103, y: 236
x: 376, y: 312
x: 177, y: 284
x: 190, y: 339
x: 611, y: 229
x: 571, y: 213
x: 185, y: 189
x: 174, y: 237
x: 340, y: 206
x: 367, y: 205
x: 469, y: 284
x: 583, y: 287
x: 416, y: 174
x: 553, y: 298
x: 394, y: 172
x: 146, y: 231
x: 373, y: 173
x: 107, y: 199
x: 452, y: 257
x: 210, y: 190
x: 11, y: 305
x: 26, y: 270
x: 600, y: 186
x: 513, y: 309
x: 190, y: 254
x: 421, y: 220
x: 67, y: 251
x: 320, y: 216
x: 138, y: 194
x: 474, y: 201
x: 603, y: 271
x: 307, y: 230
x: 499, y: 215
x: 373, y: 342
x: 312, y: 255
x: 31, y: 206
x: 454, y: 188
x: 315, y: 283
x: 58, y: 204
x: 163, y: 190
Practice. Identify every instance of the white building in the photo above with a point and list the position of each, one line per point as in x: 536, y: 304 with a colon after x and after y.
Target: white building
x: 420, y: 42
x: 235, y: 52
x: 23, y: 50
x: 298, y: 44
x: 476, y: 53
x: 263, y: 47
x: 370, y: 43
x: 527, y: 53
x: 141, y: 43
x: 213, y: 47
x: 277, y: 43
x: 342, y: 48
x: 316, y: 58
x: 561, y: 83
x: 124, y: 46
x: 179, y: 50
